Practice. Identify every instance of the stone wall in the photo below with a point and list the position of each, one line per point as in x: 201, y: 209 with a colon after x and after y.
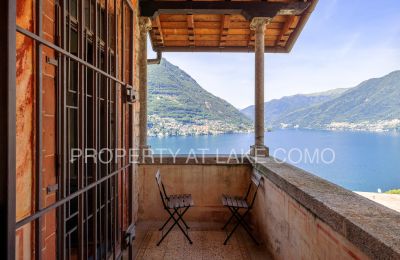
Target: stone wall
x: 206, y: 183
x: 290, y: 231
x: 301, y: 216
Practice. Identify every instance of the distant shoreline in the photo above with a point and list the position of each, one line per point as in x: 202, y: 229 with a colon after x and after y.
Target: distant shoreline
x: 387, y: 131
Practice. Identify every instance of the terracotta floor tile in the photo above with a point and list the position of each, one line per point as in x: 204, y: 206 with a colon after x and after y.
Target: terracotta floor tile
x: 207, y: 245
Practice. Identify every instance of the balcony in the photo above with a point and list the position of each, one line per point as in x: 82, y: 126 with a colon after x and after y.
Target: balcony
x: 296, y: 215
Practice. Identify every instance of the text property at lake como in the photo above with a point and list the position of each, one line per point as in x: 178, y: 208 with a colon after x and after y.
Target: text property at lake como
x: 358, y: 161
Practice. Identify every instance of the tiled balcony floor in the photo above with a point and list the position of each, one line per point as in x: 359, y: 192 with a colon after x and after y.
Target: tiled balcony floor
x: 207, y: 244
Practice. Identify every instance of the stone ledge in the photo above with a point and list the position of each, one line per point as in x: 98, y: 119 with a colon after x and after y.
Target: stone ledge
x: 371, y: 227
x: 201, y: 160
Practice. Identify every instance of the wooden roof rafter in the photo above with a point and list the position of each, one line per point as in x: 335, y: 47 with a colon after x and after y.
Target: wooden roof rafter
x: 250, y: 40
x: 190, y: 22
x: 224, y: 26
x: 224, y: 30
x: 158, y: 31
x: 285, y: 30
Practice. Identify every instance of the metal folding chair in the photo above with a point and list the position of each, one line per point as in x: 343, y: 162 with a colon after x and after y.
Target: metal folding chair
x: 176, y: 206
x: 234, y: 204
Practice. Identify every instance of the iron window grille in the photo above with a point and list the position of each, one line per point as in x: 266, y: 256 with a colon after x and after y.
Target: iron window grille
x: 95, y: 54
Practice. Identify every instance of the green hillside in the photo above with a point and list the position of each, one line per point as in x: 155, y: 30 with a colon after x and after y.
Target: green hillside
x: 373, y: 105
x: 277, y: 109
x: 178, y: 105
x: 373, y: 101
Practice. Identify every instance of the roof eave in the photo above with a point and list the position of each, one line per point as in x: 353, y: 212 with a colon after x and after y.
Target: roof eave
x: 303, y: 21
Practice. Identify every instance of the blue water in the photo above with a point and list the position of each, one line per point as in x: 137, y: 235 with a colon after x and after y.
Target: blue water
x: 358, y: 161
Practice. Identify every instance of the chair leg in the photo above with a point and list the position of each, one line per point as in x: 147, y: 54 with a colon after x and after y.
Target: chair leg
x: 237, y: 215
x: 166, y: 222
x: 170, y: 228
x: 245, y: 226
x: 241, y: 221
x: 227, y: 223
x: 231, y: 233
x: 183, y: 221
x: 181, y: 228
x: 176, y: 222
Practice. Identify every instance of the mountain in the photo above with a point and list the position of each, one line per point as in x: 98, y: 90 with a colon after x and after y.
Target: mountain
x: 178, y: 105
x: 372, y: 101
x: 277, y: 109
x: 372, y: 105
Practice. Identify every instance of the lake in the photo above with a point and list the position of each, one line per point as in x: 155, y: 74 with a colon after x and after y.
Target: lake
x: 359, y: 161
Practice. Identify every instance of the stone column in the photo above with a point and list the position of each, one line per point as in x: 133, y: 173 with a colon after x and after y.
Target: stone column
x: 258, y: 25
x: 144, y: 27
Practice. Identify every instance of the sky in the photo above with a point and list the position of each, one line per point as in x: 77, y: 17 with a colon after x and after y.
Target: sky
x: 344, y: 43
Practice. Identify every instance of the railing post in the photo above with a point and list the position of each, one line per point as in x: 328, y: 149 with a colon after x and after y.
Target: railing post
x: 8, y: 127
x: 258, y: 25
x: 145, y: 27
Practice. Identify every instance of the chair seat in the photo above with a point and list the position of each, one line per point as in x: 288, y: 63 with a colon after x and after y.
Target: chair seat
x: 236, y: 202
x: 180, y: 201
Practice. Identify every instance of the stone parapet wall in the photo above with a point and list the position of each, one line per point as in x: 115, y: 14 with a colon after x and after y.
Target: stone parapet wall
x: 206, y: 183
x: 300, y: 215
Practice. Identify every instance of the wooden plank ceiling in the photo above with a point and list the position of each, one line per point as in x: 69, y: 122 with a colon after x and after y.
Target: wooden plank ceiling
x: 205, y: 30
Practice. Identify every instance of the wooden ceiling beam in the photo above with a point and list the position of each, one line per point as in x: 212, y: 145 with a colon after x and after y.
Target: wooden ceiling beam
x: 224, y: 30
x: 285, y: 29
x: 218, y: 49
x: 250, y: 41
x: 159, y: 32
x: 190, y: 22
x: 249, y: 9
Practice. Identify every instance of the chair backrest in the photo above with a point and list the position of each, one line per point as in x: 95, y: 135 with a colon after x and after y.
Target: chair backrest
x: 161, y: 189
x: 256, y: 181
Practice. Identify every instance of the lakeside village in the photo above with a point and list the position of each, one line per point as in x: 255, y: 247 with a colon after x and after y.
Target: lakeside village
x: 364, y: 126
x: 164, y: 127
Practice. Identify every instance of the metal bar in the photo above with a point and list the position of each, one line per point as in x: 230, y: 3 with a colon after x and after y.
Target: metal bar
x: 8, y: 129
x: 69, y: 55
x: 95, y: 130
x: 88, y: 130
x: 81, y: 124
x: 66, y: 193
x: 100, y: 198
x: 39, y: 130
x: 63, y: 139
x: 131, y: 125
x: 115, y: 124
x: 123, y: 107
x: 60, y: 106
x: 68, y: 198
x: 107, y: 59
x: 86, y: 145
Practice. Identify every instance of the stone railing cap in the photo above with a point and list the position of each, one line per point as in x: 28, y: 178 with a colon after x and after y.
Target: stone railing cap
x: 370, y: 226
